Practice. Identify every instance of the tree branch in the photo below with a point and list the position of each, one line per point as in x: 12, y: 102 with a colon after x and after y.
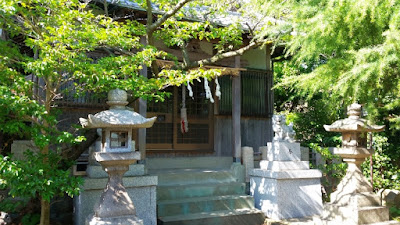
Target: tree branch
x: 75, y: 151
x: 153, y: 26
x: 186, y: 59
x: 224, y: 55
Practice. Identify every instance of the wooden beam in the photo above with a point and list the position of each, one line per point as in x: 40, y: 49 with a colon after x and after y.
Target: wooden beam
x: 236, y: 111
x: 167, y: 64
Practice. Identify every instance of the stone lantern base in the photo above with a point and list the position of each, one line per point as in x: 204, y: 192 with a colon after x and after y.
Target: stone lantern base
x: 354, y: 202
x: 362, y: 208
x: 115, y: 206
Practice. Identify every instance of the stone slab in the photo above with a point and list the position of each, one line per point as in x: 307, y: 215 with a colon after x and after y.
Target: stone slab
x: 123, y: 220
x: 18, y: 147
x: 248, y: 160
x: 226, y: 217
x: 305, y: 153
x: 283, y: 151
x: 138, y: 181
x: 286, y: 175
x: 287, y: 198
x: 96, y: 171
x: 141, y: 189
x: 354, y: 216
x: 284, y: 165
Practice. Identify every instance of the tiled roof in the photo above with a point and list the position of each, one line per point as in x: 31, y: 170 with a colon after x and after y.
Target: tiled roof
x: 200, y: 13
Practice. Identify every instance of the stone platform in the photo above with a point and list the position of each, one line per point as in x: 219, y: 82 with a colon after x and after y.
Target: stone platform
x: 316, y: 221
x: 284, y: 187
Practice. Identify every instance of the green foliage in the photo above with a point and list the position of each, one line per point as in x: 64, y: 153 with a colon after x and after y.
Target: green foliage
x: 394, y: 213
x: 30, y: 219
x: 332, y: 170
x: 38, y: 176
x: 386, y: 174
x: 62, y: 42
x: 179, y: 33
x: 12, y: 205
x: 351, y: 46
x: 342, y: 51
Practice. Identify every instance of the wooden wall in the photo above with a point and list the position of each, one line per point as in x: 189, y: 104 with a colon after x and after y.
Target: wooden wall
x: 255, y: 132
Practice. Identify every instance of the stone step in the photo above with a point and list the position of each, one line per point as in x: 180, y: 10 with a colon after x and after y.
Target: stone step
x: 225, y: 217
x: 365, y: 200
x: 199, y: 190
x: 373, y: 214
x: 351, y: 215
x: 392, y: 222
x: 193, y: 176
x: 205, y: 162
x: 203, y: 204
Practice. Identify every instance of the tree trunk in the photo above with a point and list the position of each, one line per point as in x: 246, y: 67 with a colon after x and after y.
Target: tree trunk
x: 44, y: 212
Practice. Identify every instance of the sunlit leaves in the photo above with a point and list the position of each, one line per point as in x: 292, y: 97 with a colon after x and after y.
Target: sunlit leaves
x: 37, y: 176
x: 179, y: 33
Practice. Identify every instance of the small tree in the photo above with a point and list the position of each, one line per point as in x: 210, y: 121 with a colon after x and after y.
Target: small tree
x: 52, y: 41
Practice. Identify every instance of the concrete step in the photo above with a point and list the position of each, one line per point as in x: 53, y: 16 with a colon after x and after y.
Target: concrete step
x: 199, y: 190
x: 193, y: 176
x: 225, y: 217
x: 203, y: 204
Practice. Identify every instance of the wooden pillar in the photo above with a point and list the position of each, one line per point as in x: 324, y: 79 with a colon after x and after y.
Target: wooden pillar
x: 270, y: 93
x: 270, y: 74
x: 236, y: 102
x: 143, y: 112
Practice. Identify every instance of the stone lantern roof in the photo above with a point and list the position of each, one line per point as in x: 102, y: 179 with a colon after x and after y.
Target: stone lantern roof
x: 118, y: 115
x: 353, y: 123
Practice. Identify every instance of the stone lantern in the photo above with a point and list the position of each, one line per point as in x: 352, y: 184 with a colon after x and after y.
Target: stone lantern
x: 353, y: 201
x: 117, y: 153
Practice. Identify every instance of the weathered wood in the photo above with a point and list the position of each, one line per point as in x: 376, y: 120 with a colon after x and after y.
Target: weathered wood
x: 236, y: 136
x: 143, y: 112
x: 255, y: 132
x: 270, y: 91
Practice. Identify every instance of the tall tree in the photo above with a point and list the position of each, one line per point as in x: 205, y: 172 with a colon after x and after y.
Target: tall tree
x: 341, y: 51
x: 52, y: 41
x: 351, y: 46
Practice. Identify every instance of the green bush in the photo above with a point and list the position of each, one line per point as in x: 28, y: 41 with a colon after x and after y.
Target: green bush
x: 40, y: 175
x: 332, y: 171
x: 386, y: 174
x: 394, y: 213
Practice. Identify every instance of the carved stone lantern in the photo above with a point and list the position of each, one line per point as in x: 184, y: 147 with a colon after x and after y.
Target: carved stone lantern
x: 117, y: 153
x: 353, y: 151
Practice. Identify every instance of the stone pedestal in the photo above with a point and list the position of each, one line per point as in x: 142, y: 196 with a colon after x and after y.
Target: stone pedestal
x: 141, y: 190
x: 115, y: 205
x: 284, y: 187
